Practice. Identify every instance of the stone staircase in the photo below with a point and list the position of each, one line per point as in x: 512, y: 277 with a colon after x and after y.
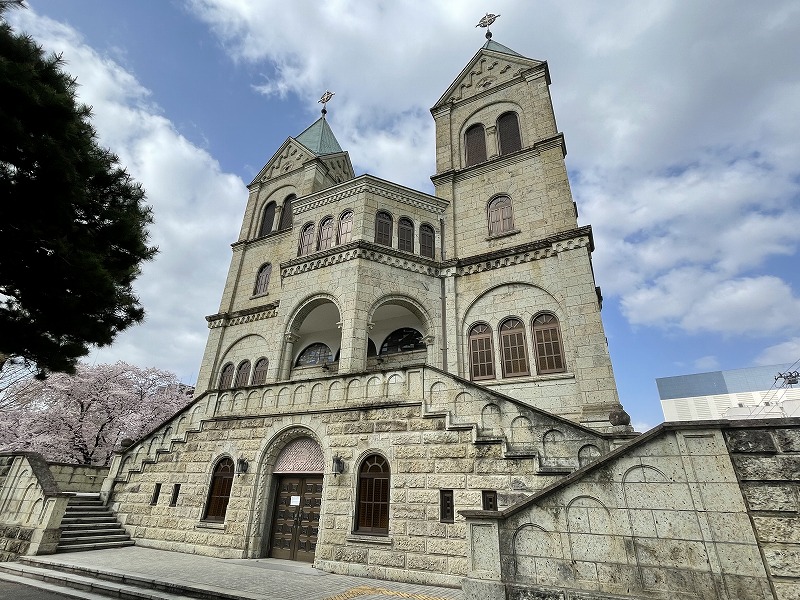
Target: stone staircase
x: 88, y: 524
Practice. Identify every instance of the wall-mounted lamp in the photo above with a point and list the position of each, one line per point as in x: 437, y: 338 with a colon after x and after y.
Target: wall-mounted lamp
x: 338, y: 465
x: 241, y: 466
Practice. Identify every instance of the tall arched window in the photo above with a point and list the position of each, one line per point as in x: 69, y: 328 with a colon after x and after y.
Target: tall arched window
x: 226, y: 377
x: 346, y: 227
x: 475, y: 143
x: 286, y: 212
x: 508, y: 133
x: 405, y: 235
x: 242, y: 373
x: 481, y: 352
x: 326, y: 234
x: 405, y: 339
x: 262, y: 279
x: 501, y: 217
x: 512, y: 348
x: 315, y: 354
x: 547, y: 344
x: 306, y: 245
x: 383, y: 228
x: 373, y: 496
x: 267, y: 219
x: 220, y: 491
x: 260, y: 371
x: 427, y: 241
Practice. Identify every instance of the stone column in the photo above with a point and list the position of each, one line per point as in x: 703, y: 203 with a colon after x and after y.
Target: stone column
x: 484, y: 576
x: 288, y: 352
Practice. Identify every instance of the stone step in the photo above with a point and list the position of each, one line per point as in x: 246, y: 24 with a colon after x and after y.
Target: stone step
x: 93, y: 510
x: 94, y: 546
x: 93, y: 539
x: 87, y: 586
x: 89, y: 519
x: 73, y: 533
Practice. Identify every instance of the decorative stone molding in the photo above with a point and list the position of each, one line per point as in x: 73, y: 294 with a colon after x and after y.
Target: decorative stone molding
x: 266, y: 311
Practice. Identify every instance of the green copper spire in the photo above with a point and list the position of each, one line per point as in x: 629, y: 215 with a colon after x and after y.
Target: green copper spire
x: 319, y: 138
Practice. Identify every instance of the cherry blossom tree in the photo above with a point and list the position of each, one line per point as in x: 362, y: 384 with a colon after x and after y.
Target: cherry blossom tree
x: 80, y: 418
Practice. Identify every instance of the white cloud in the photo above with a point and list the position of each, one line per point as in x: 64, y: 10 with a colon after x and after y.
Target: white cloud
x: 783, y: 353
x: 706, y: 363
x: 196, y: 207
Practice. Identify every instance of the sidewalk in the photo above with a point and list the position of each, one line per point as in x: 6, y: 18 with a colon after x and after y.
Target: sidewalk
x: 254, y: 579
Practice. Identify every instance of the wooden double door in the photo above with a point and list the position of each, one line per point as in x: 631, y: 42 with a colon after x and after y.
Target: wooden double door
x: 295, y: 526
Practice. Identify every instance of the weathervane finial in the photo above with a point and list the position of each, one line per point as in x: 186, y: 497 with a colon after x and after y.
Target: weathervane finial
x: 487, y: 20
x: 326, y: 97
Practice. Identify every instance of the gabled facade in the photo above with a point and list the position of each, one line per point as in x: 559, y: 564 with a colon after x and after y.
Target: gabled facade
x: 384, y: 358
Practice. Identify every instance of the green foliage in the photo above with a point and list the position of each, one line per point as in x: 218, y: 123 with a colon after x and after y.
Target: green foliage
x: 72, y: 221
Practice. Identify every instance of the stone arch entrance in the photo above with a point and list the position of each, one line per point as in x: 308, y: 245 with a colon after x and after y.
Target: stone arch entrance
x: 297, y: 476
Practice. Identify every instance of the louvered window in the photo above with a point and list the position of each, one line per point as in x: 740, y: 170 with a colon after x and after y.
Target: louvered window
x: 512, y: 348
x: 427, y: 241
x: 480, y: 352
x: 547, y: 342
x: 260, y: 371
x: 262, y: 279
x: 242, y: 373
x: 501, y: 217
x: 226, y: 378
x: 346, y: 227
x: 508, y: 131
x: 306, y: 245
x: 286, y: 212
x: 383, y: 229
x: 405, y: 235
x: 475, y: 142
x: 373, y: 496
x: 220, y: 491
x: 326, y: 234
x: 267, y: 219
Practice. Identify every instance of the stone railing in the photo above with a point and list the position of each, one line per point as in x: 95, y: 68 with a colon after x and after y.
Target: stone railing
x: 78, y: 478
x: 31, y: 506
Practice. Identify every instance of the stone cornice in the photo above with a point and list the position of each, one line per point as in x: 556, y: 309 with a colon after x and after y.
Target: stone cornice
x: 248, y: 315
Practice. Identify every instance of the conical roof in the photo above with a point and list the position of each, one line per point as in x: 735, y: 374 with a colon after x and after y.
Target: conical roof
x: 319, y: 138
x: 492, y: 45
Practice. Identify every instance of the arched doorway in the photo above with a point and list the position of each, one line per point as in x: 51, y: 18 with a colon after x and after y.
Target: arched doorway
x: 295, y: 522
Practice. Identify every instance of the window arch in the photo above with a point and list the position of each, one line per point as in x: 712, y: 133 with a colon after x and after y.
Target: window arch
x: 306, y: 245
x: 383, y: 228
x: 547, y: 344
x: 373, y: 496
x: 262, y: 279
x: 226, y: 377
x: 327, y: 237
x: 475, y: 143
x: 501, y: 216
x: 219, y: 492
x: 346, y: 227
x: 371, y: 350
x: 267, y: 219
x: 405, y: 339
x: 481, y: 352
x: 405, y: 235
x: 260, y: 372
x: 427, y: 241
x: 508, y: 133
x: 315, y: 354
x: 242, y: 373
x: 286, y: 213
x: 512, y: 348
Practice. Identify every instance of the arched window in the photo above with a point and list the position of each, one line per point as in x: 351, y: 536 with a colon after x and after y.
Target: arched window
x: 286, y: 213
x: 346, y: 227
x: 508, y: 133
x: 242, y: 373
x: 547, y: 344
x: 326, y: 234
x: 501, y: 217
x: 260, y: 372
x: 306, y: 245
x: 373, y: 496
x: 267, y: 219
x: 383, y: 228
x: 405, y: 235
x: 481, y: 353
x: 512, y: 348
x: 371, y: 350
x: 475, y: 142
x: 315, y: 354
x: 427, y: 241
x: 226, y: 378
x: 262, y: 279
x: 406, y: 339
x: 220, y: 491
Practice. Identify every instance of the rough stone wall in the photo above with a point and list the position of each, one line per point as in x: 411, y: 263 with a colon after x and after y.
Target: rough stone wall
x: 78, y: 478
x: 766, y: 458
x: 437, y: 433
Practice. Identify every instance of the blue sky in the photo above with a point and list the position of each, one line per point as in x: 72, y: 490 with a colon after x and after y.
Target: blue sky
x: 682, y: 123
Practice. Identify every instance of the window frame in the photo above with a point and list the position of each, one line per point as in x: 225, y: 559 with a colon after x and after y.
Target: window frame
x: 242, y: 374
x: 286, y: 215
x: 384, y: 226
x: 219, y: 490
x: 447, y: 511
x: 507, y: 134
x: 305, y: 245
x: 226, y: 376
x: 384, y: 350
x: 500, y: 215
x: 262, y: 279
x: 481, y: 336
x: 507, y: 358
x: 489, y: 500
x: 427, y: 231
x: 345, y: 220
x: 258, y: 370
x: 552, y: 325
x: 368, y: 497
x: 405, y: 234
x: 474, y: 152
x: 308, y: 348
x: 267, y: 221
x: 326, y: 226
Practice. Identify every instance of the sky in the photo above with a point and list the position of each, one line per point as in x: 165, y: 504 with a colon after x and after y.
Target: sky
x: 681, y: 119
